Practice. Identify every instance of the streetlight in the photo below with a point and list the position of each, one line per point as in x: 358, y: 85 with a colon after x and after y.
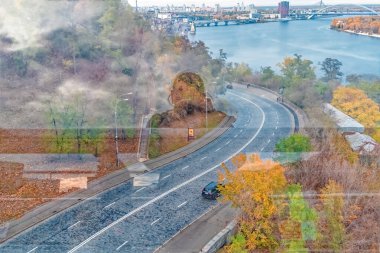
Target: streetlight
x: 116, y: 130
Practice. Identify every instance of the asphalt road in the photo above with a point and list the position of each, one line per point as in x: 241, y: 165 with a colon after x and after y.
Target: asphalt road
x: 130, y: 218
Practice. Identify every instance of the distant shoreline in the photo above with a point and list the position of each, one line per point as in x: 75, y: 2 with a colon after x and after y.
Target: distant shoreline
x: 360, y: 33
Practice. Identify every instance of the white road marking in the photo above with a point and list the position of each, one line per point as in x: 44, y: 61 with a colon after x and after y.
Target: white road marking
x: 228, y: 142
x: 174, y: 188
x: 141, y: 197
x: 109, y: 205
x: 268, y: 141
x: 166, y: 176
x: 261, y: 150
x: 276, y: 127
x: 272, y: 134
x: 118, y: 248
x: 140, y: 189
x: 184, y: 203
x: 184, y: 168
x: 32, y: 250
x: 241, y: 130
x: 74, y: 225
x: 236, y: 136
x: 203, y: 158
x: 154, y: 222
x: 218, y: 149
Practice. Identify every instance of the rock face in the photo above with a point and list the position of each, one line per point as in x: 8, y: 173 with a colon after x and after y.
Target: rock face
x: 187, y: 96
x: 188, y: 93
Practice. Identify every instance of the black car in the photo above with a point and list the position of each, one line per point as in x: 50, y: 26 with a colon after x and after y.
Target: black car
x: 211, y: 191
x: 229, y: 86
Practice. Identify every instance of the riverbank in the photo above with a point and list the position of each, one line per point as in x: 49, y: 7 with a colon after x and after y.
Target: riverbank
x: 362, y: 34
x: 269, y: 43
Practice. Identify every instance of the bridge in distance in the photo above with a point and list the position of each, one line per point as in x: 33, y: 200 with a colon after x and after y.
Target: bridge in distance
x: 321, y: 12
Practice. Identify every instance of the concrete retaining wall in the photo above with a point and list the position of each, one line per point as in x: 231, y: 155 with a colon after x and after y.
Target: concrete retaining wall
x: 220, y: 239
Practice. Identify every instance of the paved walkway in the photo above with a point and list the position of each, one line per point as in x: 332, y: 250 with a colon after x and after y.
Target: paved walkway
x: 198, y: 234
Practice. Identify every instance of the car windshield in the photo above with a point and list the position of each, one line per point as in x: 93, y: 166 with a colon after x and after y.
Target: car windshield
x: 211, y: 186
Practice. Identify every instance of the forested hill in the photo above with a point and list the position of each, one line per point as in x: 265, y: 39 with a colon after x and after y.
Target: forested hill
x: 364, y: 24
x: 82, y: 56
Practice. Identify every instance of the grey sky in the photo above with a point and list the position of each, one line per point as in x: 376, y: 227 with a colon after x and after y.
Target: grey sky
x: 246, y: 2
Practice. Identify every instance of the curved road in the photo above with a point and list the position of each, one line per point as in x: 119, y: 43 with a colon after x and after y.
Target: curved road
x: 140, y: 219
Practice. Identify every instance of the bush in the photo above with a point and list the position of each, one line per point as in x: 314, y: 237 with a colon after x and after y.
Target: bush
x: 294, y: 143
x: 291, y: 148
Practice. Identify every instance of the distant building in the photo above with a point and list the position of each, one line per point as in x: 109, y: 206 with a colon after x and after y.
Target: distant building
x: 270, y: 16
x: 164, y: 15
x: 217, y: 8
x: 283, y: 9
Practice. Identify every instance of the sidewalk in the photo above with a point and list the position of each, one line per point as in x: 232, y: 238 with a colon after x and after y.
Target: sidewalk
x: 193, y: 238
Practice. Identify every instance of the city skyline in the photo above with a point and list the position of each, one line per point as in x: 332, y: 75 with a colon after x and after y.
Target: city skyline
x: 234, y: 2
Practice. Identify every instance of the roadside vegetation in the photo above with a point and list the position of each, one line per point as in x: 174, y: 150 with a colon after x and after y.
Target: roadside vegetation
x: 86, y: 67
x: 326, y: 199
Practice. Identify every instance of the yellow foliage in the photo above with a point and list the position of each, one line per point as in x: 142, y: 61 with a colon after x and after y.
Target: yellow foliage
x: 250, y: 188
x: 332, y: 227
x: 356, y: 104
x: 67, y: 64
x: 376, y: 135
x: 343, y: 149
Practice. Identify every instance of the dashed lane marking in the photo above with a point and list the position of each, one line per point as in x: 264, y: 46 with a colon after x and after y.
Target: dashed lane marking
x: 74, y: 225
x: 118, y: 248
x: 32, y: 250
x: 154, y: 222
x: 140, y: 189
x: 184, y: 203
x: 83, y: 243
x: 165, y: 177
x: 109, y: 205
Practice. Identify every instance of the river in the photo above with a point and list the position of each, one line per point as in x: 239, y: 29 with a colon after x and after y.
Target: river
x: 267, y: 44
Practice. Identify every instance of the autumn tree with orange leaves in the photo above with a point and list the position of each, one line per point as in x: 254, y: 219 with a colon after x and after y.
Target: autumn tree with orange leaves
x: 356, y: 104
x: 250, y: 188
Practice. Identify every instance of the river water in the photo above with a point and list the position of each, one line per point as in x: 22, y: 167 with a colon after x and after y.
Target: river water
x: 267, y: 44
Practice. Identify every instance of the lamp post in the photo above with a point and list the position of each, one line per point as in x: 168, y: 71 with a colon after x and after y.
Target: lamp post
x: 206, y: 112
x: 282, y: 88
x: 116, y: 130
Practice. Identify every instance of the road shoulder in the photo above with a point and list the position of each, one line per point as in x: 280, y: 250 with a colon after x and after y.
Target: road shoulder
x: 194, y: 237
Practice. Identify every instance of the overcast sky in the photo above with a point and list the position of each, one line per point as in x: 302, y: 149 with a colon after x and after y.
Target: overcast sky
x: 246, y: 2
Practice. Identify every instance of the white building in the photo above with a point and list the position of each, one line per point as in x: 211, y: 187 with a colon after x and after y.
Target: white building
x: 164, y: 15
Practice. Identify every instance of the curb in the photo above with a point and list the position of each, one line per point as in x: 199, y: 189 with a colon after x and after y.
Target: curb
x: 188, y: 225
x: 48, y: 210
x: 220, y: 239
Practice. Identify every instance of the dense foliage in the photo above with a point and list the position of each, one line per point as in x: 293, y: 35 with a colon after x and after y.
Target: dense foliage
x: 356, y: 104
x: 365, y: 24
